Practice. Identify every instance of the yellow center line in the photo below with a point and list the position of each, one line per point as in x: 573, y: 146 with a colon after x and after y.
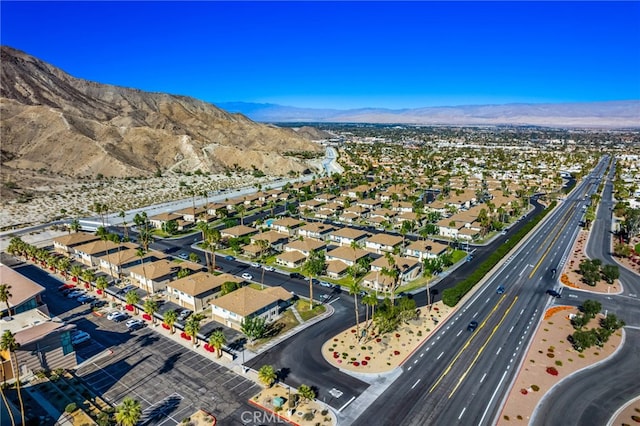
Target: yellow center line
x: 466, y: 345
x: 483, y: 347
x: 557, y: 235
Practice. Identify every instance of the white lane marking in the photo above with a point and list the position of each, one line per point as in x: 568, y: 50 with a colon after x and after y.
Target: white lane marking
x: 462, y: 413
x: 489, y: 405
x: 499, y: 349
x: 483, y: 377
x: 459, y: 332
x: 347, y: 403
x: 415, y: 384
x: 511, y: 329
x: 442, y: 353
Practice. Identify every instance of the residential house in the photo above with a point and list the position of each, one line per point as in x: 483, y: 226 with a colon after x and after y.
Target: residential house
x: 275, y: 239
x: 246, y: 302
x: 316, y: 230
x: 305, y: 246
x: 291, y: 259
x: 197, y: 291
x: 347, y: 256
x: 65, y: 243
x: 191, y: 214
x: 26, y: 294
x: 238, y: 231
x: 408, y: 267
x: 286, y: 225
x: 382, y: 242
x: 158, y: 221
x: 154, y: 276
x: 116, y: 264
x: 425, y: 249
x: 345, y: 236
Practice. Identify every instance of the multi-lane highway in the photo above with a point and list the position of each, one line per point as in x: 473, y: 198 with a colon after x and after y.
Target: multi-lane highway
x: 460, y: 377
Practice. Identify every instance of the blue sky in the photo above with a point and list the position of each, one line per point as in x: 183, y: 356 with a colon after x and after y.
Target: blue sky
x: 340, y: 54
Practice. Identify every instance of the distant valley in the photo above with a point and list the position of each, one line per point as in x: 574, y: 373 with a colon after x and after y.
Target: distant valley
x: 615, y: 114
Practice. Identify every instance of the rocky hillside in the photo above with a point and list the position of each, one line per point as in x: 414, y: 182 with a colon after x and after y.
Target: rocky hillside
x: 63, y: 125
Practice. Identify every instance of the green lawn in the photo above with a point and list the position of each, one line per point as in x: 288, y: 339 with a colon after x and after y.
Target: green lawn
x: 279, y: 327
x: 302, y: 306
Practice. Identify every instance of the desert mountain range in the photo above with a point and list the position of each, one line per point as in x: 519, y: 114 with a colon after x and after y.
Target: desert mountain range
x: 614, y: 114
x: 64, y: 125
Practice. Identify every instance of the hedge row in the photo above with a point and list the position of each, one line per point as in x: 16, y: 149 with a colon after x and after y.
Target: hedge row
x: 452, y: 296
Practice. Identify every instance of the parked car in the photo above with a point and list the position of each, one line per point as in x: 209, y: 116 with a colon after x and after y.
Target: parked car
x: 500, y: 289
x: 325, y: 284
x: 75, y: 293
x: 134, y: 324
x: 65, y: 287
x: 112, y: 315
x: 184, y: 256
x: 255, y: 264
x: 269, y: 268
x: 97, y: 303
x: 553, y: 293
x: 79, y: 336
x: 84, y: 299
x: 229, y: 257
x: 126, y: 289
x: 324, y: 297
x: 120, y: 317
x: 472, y: 325
x: 296, y: 275
x: 184, y: 314
x: 247, y: 276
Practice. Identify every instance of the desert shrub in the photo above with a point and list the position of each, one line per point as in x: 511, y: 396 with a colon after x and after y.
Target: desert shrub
x: 308, y: 416
x: 324, y: 412
x: 559, y: 363
x: 535, y: 388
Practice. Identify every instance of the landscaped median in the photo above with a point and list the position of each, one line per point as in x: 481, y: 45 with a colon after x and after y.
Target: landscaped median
x: 551, y: 358
x: 378, y: 353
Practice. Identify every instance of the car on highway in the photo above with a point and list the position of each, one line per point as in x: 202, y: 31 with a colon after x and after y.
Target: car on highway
x: 184, y: 314
x: 472, y: 325
x: 183, y: 256
x: 134, y: 324
x: 246, y: 276
x: 553, y: 293
x: 269, y: 268
x: 79, y: 336
x: 553, y: 272
x: 229, y: 257
x: 500, y: 289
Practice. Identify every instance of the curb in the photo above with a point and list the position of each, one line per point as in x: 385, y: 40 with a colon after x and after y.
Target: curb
x: 272, y: 412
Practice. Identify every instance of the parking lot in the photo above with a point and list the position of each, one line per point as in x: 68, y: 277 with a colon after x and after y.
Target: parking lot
x: 170, y: 381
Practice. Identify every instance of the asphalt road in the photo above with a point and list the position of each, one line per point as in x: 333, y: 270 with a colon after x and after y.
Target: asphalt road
x: 591, y: 397
x: 460, y: 377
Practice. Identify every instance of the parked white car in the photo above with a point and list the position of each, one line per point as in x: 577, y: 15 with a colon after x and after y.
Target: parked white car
x: 113, y: 314
x: 247, y: 276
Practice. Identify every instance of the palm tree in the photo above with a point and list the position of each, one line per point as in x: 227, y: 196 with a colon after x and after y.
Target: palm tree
x: 122, y: 216
x: 8, y: 343
x: 354, y: 289
x: 88, y: 276
x: 104, y: 236
x: 76, y: 272
x: 306, y: 393
x: 217, y: 340
x: 241, y: 209
x: 264, y: 245
x: 141, y: 253
x: 205, y: 229
x: 392, y: 272
x: 5, y: 295
x: 102, y: 284
x: 170, y: 318
x: 150, y: 307
x: 192, y: 327
x: 4, y: 397
x: 132, y: 298
x: 369, y: 300
x: 267, y: 375
x: 313, y: 267
x: 128, y: 413
x: 74, y: 225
